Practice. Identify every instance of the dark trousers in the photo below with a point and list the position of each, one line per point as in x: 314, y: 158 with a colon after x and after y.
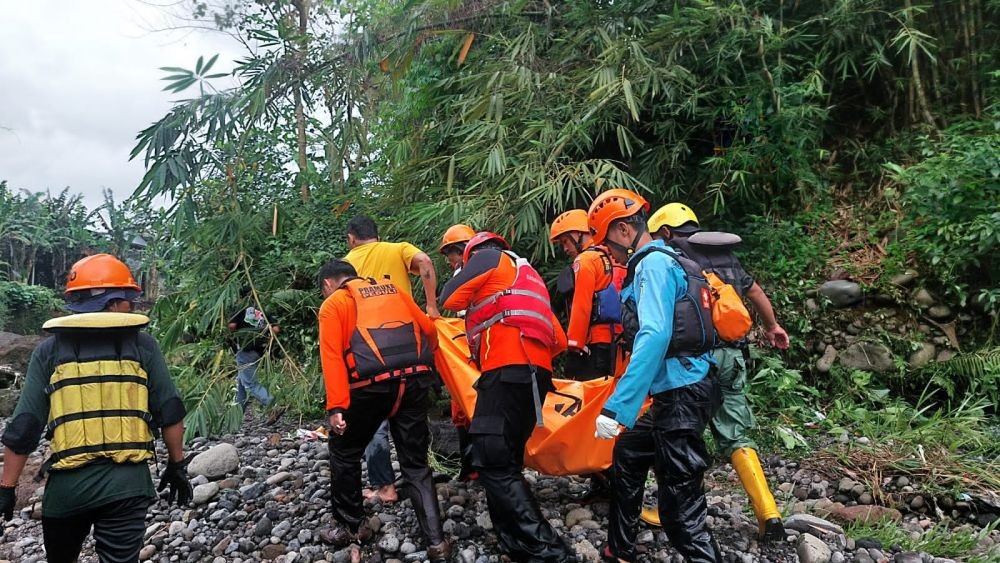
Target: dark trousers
x: 118, y: 531
x: 669, y: 438
x: 501, y: 425
x: 584, y: 367
x: 404, y: 404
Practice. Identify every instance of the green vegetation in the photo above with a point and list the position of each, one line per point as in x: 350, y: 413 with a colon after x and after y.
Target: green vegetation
x: 941, y: 540
x: 23, y: 307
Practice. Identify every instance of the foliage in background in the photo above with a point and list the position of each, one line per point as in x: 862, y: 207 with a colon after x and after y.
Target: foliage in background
x: 952, y: 194
x: 765, y: 116
x: 24, y: 308
x: 41, y: 235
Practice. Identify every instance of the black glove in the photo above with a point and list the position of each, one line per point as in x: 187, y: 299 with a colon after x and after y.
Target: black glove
x: 7, y: 500
x: 175, y: 475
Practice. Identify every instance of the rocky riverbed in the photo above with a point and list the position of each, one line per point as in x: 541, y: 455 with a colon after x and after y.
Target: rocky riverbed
x: 262, y: 495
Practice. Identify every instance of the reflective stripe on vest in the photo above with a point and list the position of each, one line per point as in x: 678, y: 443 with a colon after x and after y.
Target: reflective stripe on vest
x: 387, y: 342
x: 525, y: 306
x: 98, y: 409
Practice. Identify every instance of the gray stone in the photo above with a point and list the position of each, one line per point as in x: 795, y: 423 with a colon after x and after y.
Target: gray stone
x: 278, y: 478
x: 908, y: 557
x: 578, y: 515
x: 811, y: 549
x: 216, y: 462
x: 282, y: 528
x: 868, y: 356
x: 147, y: 552
x: 263, y: 527
x: 923, y: 298
x: 945, y: 355
x: 407, y: 548
x: 837, y: 557
x: 586, y: 552
x: 204, y: 493
x: 841, y: 293
x: 825, y: 363
x: 845, y: 485
x: 253, y: 491
x: 939, y: 312
x: 389, y: 543
x: 812, y: 524
x: 923, y: 356
x: 903, y: 279
x: 484, y: 522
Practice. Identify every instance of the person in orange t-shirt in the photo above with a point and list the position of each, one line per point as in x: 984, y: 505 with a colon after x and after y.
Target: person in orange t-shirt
x: 594, y: 316
x: 376, y: 350
x: 513, y: 336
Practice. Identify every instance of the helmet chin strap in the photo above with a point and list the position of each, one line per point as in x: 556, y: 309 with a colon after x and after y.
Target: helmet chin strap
x: 627, y: 250
x: 578, y: 242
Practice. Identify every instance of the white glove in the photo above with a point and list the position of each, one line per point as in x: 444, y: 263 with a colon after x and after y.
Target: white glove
x: 607, y: 428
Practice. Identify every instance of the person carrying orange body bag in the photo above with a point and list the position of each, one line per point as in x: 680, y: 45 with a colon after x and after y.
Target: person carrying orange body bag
x: 513, y: 336
x: 595, y: 311
x: 376, y: 349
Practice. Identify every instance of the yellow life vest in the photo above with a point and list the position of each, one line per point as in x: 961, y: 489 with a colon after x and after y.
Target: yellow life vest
x: 98, y: 391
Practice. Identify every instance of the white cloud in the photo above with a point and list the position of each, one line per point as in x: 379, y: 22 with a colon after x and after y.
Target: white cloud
x: 83, y: 80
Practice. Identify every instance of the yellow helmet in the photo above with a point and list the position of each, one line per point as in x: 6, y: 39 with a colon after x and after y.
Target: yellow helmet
x: 671, y: 215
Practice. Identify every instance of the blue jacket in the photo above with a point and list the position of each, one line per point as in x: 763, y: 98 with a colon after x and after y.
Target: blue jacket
x: 658, y: 283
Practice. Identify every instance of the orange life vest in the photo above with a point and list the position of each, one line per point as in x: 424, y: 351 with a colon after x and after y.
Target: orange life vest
x: 383, y: 346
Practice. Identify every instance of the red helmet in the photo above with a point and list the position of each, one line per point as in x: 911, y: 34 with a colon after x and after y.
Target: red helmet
x: 480, y: 238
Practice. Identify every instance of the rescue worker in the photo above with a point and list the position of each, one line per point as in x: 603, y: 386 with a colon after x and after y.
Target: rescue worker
x: 393, y: 261
x: 513, y: 336
x: 664, y: 320
x: 595, y: 314
x: 677, y: 225
x: 452, y: 247
x: 100, y: 390
x: 376, y: 350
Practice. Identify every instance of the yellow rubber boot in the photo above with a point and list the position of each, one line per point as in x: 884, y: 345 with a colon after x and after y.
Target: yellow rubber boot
x: 755, y: 484
x: 651, y: 516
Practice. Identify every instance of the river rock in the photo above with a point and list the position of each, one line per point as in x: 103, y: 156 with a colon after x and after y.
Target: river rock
x: 577, y: 515
x: 923, y: 356
x: 841, y: 293
x: 923, y: 297
x: 273, y: 551
x: 861, y: 514
x: 204, y: 493
x: 215, y: 462
x: 868, y: 356
x: 807, y: 523
x: 825, y: 363
x: 903, y: 279
x: 939, y: 312
x: 811, y: 549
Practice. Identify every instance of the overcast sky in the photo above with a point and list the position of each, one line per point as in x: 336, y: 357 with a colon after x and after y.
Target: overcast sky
x: 78, y: 80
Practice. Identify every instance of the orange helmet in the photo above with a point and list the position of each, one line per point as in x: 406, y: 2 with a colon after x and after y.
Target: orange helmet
x: 456, y: 234
x: 610, y: 206
x: 574, y: 220
x: 100, y: 271
x: 478, y: 239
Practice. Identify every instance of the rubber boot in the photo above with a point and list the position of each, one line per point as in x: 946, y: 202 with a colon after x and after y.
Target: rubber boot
x: 423, y: 497
x: 755, y: 484
x: 466, y: 473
